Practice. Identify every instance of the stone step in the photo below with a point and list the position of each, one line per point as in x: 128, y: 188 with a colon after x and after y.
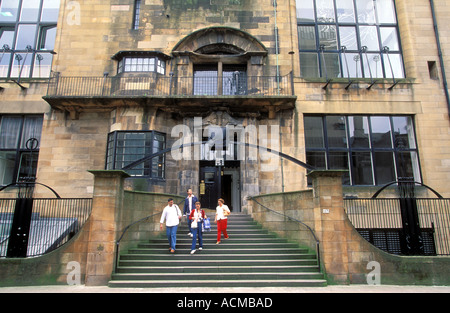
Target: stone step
x: 215, y: 283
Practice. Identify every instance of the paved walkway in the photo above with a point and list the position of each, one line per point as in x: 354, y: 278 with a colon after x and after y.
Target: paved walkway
x: 328, y: 289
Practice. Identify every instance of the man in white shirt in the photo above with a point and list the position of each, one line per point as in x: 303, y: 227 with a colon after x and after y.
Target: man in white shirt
x: 172, y: 215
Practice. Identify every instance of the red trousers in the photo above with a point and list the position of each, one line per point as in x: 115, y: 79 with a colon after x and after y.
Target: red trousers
x: 222, y: 228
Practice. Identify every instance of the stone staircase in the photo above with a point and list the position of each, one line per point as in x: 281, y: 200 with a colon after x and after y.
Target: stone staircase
x: 252, y: 257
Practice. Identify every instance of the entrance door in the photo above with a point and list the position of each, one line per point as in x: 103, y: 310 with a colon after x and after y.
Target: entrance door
x: 209, y: 187
x: 228, y: 184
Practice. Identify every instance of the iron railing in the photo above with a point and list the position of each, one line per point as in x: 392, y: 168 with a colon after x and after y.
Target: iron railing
x: 380, y: 222
x: 53, y: 223
x: 159, y: 85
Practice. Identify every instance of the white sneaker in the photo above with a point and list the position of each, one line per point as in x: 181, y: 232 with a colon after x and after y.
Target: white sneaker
x: 193, y: 251
x: 200, y: 248
x: 191, y: 235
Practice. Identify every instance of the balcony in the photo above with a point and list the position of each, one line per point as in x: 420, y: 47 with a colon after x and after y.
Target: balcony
x: 185, y: 95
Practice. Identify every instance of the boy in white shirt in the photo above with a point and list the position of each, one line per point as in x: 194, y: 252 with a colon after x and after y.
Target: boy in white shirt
x: 172, y: 215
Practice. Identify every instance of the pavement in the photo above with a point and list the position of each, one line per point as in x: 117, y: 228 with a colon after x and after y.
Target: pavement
x: 268, y: 290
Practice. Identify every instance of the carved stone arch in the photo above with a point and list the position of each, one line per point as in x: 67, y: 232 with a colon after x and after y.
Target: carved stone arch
x: 227, y: 37
x: 221, y: 45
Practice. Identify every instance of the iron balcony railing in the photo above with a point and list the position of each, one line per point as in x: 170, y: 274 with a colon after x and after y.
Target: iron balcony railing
x: 53, y: 222
x: 160, y: 85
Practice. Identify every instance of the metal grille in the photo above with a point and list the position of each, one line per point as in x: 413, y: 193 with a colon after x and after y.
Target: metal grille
x: 379, y: 221
x: 53, y: 223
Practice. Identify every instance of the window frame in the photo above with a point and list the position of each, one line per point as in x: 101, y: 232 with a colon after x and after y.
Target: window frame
x: 111, y: 162
x: 385, y: 56
x: 32, y: 53
x: 394, y: 150
x: 20, y: 150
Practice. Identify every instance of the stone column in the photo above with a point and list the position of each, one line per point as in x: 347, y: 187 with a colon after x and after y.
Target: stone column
x: 107, y: 200
x: 330, y: 227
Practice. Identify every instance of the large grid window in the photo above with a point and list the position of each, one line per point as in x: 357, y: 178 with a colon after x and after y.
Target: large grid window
x: 349, y: 38
x: 127, y: 147
x: 19, y: 151
x: 27, y: 37
x: 375, y: 150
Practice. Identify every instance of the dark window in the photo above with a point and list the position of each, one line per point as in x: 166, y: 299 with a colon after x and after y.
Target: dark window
x: 349, y: 38
x: 137, y: 13
x: 18, y: 153
x: 374, y: 150
x: 127, y: 147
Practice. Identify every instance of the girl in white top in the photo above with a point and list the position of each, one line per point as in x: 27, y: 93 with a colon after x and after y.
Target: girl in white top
x: 221, y: 219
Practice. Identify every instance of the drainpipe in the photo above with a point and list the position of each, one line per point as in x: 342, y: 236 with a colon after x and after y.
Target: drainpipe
x: 441, y: 59
x: 276, y: 45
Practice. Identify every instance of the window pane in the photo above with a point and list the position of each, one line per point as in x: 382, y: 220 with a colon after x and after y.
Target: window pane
x: 393, y: 64
x: 6, y: 37
x: 333, y: 68
x: 345, y: 11
x: 205, y: 81
x: 339, y: 161
x: 386, y: 11
x: 21, y: 65
x: 358, y: 127
x: 32, y: 128
x: 408, y: 165
x: 4, y: 64
x: 309, y: 64
x: 305, y: 10
x: 307, y: 37
x: 347, y: 35
x: 30, y: 11
x: 42, y: 65
x: 50, y: 11
x: 313, y: 132
x: 28, y: 166
x: 389, y: 38
x: 7, y: 162
x: 362, y: 168
x: 316, y: 159
x: 47, y: 38
x: 403, y: 132
x: 328, y: 37
x: 9, y: 132
x: 325, y: 11
x: 9, y: 10
x: 384, y: 167
x: 372, y: 65
x: 366, y: 11
x: 336, y: 133
x: 369, y: 37
x: 381, y: 132
x: 25, y: 36
x: 353, y: 60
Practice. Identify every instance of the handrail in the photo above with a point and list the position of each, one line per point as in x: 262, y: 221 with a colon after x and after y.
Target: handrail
x: 126, y: 229
x: 294, y: 220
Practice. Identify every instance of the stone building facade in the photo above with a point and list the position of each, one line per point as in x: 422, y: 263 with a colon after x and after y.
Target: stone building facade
x: 355, y: 85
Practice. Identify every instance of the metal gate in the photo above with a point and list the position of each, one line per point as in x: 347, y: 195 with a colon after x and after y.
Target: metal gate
x: 406, y: 225
x: 35, y: 226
